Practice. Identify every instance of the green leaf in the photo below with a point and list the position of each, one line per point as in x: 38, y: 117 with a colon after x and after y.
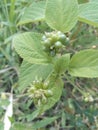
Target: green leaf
x: 21, y: 126
x: 61, y: 64
x: 32, y: 115
x: 33, y: 13
x: 28, y: 45
x: 56, y: 86
x: 84, y: 64
x: 88, y: 13
x: 29, y: 72
x: 61, y: 14
x: 44, y: 122
x: 33, y: 126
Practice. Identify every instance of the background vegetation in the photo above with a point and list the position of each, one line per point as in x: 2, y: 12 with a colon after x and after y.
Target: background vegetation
x: 77, y: 109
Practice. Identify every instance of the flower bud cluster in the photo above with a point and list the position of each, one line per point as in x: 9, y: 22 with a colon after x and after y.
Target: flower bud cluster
x: 88, y: 97
x: 39, y: 92
x: 54, y: 42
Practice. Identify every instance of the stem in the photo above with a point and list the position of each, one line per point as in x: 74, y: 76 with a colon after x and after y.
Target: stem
x: 23, y: 95
x: 73, y: 84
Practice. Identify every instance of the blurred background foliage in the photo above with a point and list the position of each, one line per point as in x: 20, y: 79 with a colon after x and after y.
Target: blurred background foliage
x: 77, y: 109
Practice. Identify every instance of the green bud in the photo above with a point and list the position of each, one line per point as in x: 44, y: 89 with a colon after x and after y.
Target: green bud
x: 58, y: 45
x: 44, y: 100
x: 47, y: 43
x: 45, y: 85
x: 67, y: 40
x: 37, y: 95
x: 86, y: 99
x: 59, y: 33
x: 38, y: 84
x: 48, y: 93
x: 32, y: 90
x: 48, y: 34
x: 62, y: 38
x: 44, y: 38
x: 54, y: 38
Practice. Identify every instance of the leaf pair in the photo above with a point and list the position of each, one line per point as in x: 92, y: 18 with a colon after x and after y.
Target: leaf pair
x: 54, y: 11
x: 59, y: 14
x: 28, y: 45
